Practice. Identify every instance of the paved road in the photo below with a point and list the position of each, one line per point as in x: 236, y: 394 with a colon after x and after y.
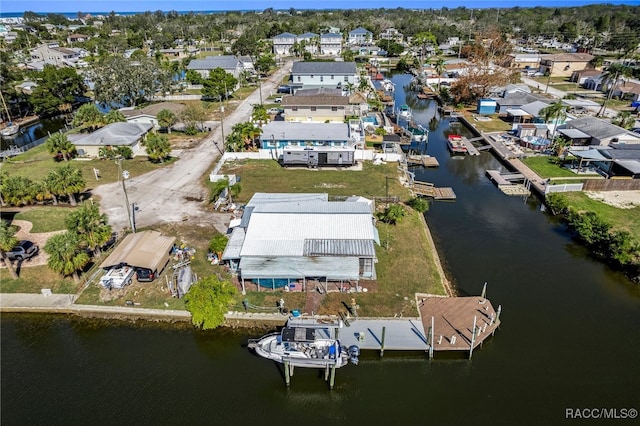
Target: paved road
x: 610, y: 113
x: 174, y: 193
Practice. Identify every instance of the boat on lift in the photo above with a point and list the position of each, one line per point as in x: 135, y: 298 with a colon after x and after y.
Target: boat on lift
x: 11, y: 128
x: 404, y: 112
x: 455, y: 144
x: 303, y: 346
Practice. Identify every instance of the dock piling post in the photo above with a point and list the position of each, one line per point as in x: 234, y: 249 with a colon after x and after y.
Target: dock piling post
x: 326, y: 372
x: 384, y: 329
x: 484, y: 293
x: 473, y: 336
x: 333, y: 376
x: 432, y: 331
x: 498, y: 314
x: 287, y: 378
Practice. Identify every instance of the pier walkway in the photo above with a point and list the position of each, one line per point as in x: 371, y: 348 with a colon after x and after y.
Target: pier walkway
x: 427, y: 189
x: 471, y: 150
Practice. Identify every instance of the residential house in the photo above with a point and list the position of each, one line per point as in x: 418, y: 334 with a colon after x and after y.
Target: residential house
x: 283, y: 43
x: 392, y: 34
x: 320, y: 108
x: 581, y: 76
x: 527, y: 113
x: 618, y: 160
x: 331, y: 44
x: 247, y: 64
x: 360, y: 36
x: 514, y: 100
x: 628, y: 90
x: 564, y: 64
x: 283, y: 240
x: 229, y: 63
x: 602, y: 132
x: 333, y: 75
x: 310, y: 41
x: 522, y: 62
x: 149, y: 114
x: 594, y: 82
x: 113, y: 135
x: 77, y: 38
x: 53, y: 54
x: 286, y: 134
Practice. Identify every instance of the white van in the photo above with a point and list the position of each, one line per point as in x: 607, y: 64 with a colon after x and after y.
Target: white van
x: 117, y: 277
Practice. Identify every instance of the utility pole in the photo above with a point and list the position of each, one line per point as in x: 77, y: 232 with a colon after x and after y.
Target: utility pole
x: 222, y: 122
x: 122, y: 176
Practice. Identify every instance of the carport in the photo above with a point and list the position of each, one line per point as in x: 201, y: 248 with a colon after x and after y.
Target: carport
x: 147, y: 249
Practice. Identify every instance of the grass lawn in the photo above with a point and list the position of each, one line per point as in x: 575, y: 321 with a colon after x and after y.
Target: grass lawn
x: 269, y: 176
x: 35, y: 278
x: 43, y: 218
x: 545, y: 167
x: 36, y: 163
x: 494, y: 125
x: 622, y: 219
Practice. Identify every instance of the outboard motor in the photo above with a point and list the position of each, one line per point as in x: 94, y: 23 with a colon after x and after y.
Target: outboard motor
x: 354, y: 352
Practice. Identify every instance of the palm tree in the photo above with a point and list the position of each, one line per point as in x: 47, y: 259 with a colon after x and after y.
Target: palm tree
x: 69, y: 181
x: 88, y: 116
x: 114, y: 116
x: 167, y: 119
x: 58, y: 143
x: 259, y: 114
x: 613, y: 75
x: 158, y: 147
x: 624, y: 119
x: 66, y: 255
x: 18, y: 190
x: 557, y: 111
x: 439, y: 65
x: 7, y: 242
x: 91, y: 226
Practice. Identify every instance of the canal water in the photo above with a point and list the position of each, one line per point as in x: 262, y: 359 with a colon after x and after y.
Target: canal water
x: 569, y: 339
x: 33, y: 132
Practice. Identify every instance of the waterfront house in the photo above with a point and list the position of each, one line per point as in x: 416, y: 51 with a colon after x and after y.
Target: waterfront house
x: 284, y: 134
x: 331, y: 44
x: 283, y: 240
x: 360, y: 36
x: 283, y: 43
x: 228, y: 63
x: 392, y: 34
x: 320, y: 108
x: 564, y: 64
x: 335, y: 75
x: 602, y: 132
x: 113, y: 135
x: 53, y: 54
x: 618, y: 160
x: 515, y: 100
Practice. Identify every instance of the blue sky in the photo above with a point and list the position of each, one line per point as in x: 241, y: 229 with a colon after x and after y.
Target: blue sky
x: 13, y: 6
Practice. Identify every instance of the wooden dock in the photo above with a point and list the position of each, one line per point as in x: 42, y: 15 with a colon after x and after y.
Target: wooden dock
x: 427, y: 189
x: 505, y: 184
x: 471, y: 150
x: 422, y: 160
x: 452, y: 321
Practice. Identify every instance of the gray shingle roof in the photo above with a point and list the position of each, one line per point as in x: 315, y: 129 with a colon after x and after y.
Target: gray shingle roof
x: 315, y: 100
x: 284, y: 36
x: 595, y: 127
x: 226, y: 62
x: 116, y: 134
x: 337, y: 68
x: 360, y: 30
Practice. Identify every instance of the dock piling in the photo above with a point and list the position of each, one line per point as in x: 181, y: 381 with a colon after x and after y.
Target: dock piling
x: 333, y: 376
x: 384, y: 329
x: 473, y: 336
x: 287, y: 378
x: 430, y: 340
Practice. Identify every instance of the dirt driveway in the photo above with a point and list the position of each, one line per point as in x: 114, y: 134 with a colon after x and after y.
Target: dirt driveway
x: 39, y: 239
x: 174, y: 193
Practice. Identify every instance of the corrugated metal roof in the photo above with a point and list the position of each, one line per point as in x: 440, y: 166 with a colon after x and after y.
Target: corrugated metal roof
x: 226, y: 62
x: 232, y: 250
x: 280, y: 130
x: 317, y: 207
x: 285, y: 197
x: 333, y: 268
x: 319, y: 100
x: 341, y: 247
x: 281, y: 234
x: 147, y: 249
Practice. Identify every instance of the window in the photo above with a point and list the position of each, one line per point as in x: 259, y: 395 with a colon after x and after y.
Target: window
x: 321, y: 78
x: 311, y: 76
x: 272, y: 142
x: 295, y: 108
x: 313, y: 108
x: 332, y: 77
x: 334, y: 108
x: 298, y: 79
x: 346, y: 78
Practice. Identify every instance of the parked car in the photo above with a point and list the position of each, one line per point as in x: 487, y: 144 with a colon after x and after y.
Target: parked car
x: 274, y: 111
x: 25, y: 250
x: 284, y: 89
x: 145, y: 275
x: 278, y: 99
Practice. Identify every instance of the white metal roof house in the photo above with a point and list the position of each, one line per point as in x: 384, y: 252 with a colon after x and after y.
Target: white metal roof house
x: 333, y: 75
x: 319, y: 109
x: 292, y: 238
x: 111, y: 135
x: 331, y: 44
x: 281, y: 134
x: 282, y: 44
x: 360, y: 36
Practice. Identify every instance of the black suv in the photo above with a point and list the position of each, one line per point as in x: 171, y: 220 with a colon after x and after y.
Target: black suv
x: 145, y: 275
x: 25, y: 250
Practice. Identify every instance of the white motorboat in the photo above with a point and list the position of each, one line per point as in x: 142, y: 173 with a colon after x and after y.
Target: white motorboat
x: 10, y: 130
x: 404, y: 113
x: 305, y: 347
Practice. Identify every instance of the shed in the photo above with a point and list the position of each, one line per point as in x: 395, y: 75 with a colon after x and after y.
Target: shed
x: 487, y: 106
x: 148, y: 249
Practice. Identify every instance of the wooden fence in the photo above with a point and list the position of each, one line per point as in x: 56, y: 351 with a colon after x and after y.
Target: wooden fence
x: 612, y: 185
